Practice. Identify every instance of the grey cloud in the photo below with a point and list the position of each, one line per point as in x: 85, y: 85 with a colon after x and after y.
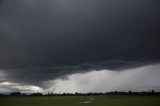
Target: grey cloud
x: 138, y: 79
x: 7, y: 87
x: 47, y: 39
x: 36, y: 75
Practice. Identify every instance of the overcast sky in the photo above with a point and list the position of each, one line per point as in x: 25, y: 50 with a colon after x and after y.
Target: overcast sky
x: 44, y: 43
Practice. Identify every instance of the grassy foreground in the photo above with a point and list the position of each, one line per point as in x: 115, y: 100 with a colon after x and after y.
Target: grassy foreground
x: 81, y: 101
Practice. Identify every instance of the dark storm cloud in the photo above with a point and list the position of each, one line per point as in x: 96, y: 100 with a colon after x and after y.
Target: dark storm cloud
x: 37, y: 36
x: 36, y: 75
x: 0, y: 1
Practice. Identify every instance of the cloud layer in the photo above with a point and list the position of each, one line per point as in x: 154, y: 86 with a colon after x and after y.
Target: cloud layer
x: 72, y: 32
x: 43, y: 40
x: 138, y: 79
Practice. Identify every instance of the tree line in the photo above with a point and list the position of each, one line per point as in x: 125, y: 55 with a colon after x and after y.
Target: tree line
x: 150, y: 92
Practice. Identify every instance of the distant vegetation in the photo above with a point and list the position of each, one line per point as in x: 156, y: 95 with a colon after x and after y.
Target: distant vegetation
x: 150, y: 92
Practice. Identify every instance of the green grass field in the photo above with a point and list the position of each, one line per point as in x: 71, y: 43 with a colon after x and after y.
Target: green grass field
x: 81, y: 101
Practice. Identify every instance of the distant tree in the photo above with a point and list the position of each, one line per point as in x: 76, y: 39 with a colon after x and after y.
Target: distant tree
x: 115, y: 92
x: 152, y: 91
x: 1, y: 95
x: 15, y: 93
x: 76, y: 93
x: 130, y: 92
x: 36, y: 94
x: 23, y: 94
